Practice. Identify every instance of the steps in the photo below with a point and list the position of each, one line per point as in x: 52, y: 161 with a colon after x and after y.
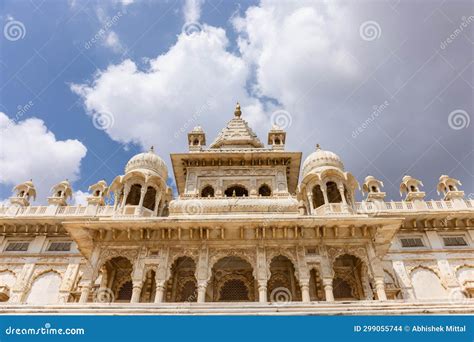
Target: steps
x: 465, y: 307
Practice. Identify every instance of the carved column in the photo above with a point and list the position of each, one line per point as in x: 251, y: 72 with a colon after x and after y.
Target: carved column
x: 305, y: 291
x: 328, y: 289
x: 311, y: 205
x: 380, y: 289
x: 68, y: 282
x: 341, y: 192
x: 202, y: 273
x: 157, y: 202
x: 85, y: 291
x: 262, y: 276
x: 327, y: 274
x: 126, y: 190
x: 325, y: 194
x: 161, y: 274
x: 405, y: 281
x: 137, y: 290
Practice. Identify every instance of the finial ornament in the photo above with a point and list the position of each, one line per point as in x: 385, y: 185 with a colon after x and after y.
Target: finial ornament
x: 237, y: 111
x: 318, y: 147
x: 152, y: 149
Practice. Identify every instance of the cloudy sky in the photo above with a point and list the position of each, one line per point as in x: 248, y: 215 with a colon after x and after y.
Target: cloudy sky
x: 85, y: 85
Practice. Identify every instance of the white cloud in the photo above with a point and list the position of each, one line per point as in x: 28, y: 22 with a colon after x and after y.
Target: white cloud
x: 80, y: 197
x: 192, y: 10
x: 113, y: 41
x: 196, y: 82
x: 29, y: 150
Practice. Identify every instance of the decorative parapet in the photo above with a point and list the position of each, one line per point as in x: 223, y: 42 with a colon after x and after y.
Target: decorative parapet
x: 271, y: 205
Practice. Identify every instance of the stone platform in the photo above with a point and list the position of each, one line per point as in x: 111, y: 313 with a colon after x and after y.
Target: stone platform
x: 263, y: 309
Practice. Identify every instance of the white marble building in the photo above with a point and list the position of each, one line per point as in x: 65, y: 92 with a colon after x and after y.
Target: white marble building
x: 248, y: 232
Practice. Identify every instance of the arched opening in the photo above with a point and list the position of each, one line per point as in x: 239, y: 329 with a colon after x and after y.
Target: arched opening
x: 116, y: 275
x: 277, y: 141
x: 207, y: 191
x: 150, y: 198
x: 149, y: 287
x: 283, y: 280
x: 412, y: 188
x: 133, y: 197
x: 236, y: 191
x: 318, y: 197
x: 232, y: 280
x: 334, y: 196
x: 195, y: 142
x: 264, y: 190
x: 125, y: 292
x: 347, y: 283
x: 45, y: 289
x: 59, y: 193
x: 427, y: 285
x: 452, y: 188
x: 7, y: 280
x: 182, y: 284
x: 97, y: 193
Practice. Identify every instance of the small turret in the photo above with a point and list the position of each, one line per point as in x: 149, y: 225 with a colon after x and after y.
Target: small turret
x: 411, y: 187
x: 22, y: 193
x: 99, y: 191
x: 372, y: 186
x: 196, y: 139
x: 277, y: 138
x: 60, y: 193
x: 449, y: 187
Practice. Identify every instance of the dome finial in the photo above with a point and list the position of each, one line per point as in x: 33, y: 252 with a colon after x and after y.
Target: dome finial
x: 237, y: 111
x: 152, y: 149
x: 318, y: 147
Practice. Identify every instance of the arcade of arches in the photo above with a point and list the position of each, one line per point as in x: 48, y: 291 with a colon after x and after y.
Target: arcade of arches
x: 232, y: 280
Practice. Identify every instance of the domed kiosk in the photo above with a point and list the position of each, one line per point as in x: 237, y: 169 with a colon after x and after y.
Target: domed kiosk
x: 324, y: 183
x: 142, y: 190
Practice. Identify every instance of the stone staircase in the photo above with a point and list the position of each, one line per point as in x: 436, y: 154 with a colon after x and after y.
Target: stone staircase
x: 465, y: 307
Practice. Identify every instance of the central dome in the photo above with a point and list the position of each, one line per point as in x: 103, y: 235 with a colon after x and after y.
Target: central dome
x: 149, y: 161
x: 321, y: 159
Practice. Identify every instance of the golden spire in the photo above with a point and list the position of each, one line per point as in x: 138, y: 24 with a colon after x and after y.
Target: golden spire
x: 237, y: 111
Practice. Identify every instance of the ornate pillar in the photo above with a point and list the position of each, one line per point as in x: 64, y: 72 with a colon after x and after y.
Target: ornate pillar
x: 117, y: 198
x: 137, y: 290
x: 311, y: 205
x: 305, y: 291
x: 202, y: 273
x: 160, y: 290
x: 262, y: 277
x: 380, y: 288
x: 68, y: 282
x: 327, y: 274
x: 126, y: 191
x: 161, y: 275
x: 325, y: 194
x: 85, y: 291
x: 262, y: 291
x: 341, y: 192
x: 328, y: 289
x: 157, y: 202
x: 202, y: 286
x: 405, y: 281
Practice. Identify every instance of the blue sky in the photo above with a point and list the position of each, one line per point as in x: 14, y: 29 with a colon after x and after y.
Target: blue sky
x: 381, y: 98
